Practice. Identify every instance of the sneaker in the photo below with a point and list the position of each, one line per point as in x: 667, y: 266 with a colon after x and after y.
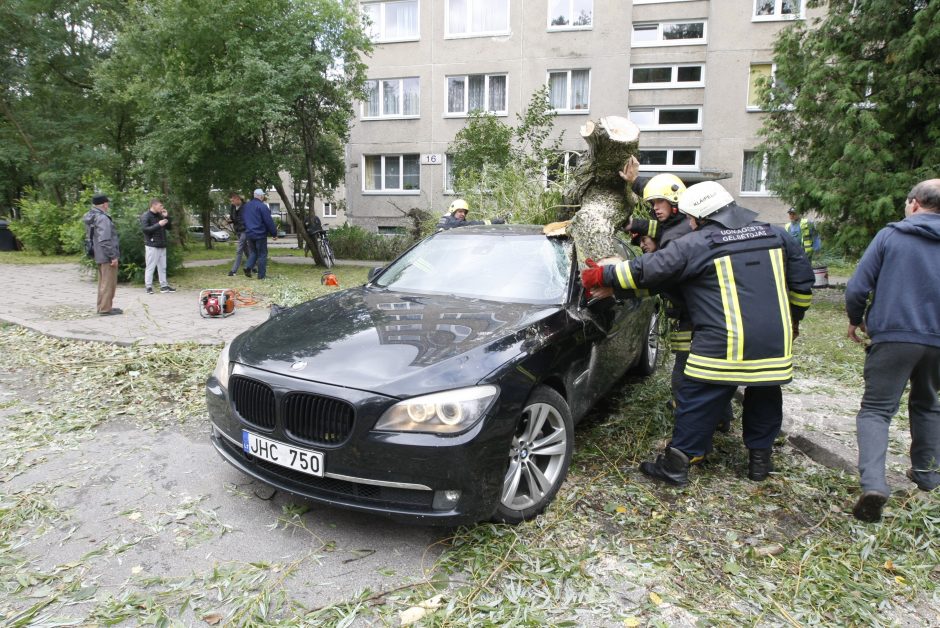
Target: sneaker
x: 167, y: 289
x: 231, y: 273
x: 149, y: 289
x: 869, y: 505
x: 248, y: 273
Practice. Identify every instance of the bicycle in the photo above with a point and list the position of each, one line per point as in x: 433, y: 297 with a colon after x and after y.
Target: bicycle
x: 322, y: 250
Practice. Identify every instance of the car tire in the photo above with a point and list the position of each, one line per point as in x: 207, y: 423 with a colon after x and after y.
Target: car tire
x: 650, y: 353
x: 539, y: 457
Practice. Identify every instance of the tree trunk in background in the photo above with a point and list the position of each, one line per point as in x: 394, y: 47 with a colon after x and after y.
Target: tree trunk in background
x: 605, y: 199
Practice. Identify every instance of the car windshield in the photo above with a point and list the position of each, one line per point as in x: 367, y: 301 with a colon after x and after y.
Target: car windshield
x: 495, y: 266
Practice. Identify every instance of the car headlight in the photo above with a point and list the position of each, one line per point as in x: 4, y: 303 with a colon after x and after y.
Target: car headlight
x: 441, y: 413
x: 222, y: 367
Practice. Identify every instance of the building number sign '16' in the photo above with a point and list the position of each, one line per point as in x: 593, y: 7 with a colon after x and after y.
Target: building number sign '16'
x: 431, y: 159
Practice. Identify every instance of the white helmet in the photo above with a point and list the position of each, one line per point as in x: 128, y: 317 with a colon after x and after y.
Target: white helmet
x: 704, y: 199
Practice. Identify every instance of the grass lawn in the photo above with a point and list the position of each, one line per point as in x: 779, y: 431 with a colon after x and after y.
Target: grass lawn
x: 28, y: 257
x: 226, y: 250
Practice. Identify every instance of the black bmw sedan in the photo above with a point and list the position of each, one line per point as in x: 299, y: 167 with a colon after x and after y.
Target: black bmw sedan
x: 445, y: 390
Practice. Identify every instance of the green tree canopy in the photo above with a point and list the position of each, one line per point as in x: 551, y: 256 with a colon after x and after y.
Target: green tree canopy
x: 854, y: 119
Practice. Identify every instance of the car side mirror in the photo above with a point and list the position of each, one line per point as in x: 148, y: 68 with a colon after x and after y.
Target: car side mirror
x: 375, y: 271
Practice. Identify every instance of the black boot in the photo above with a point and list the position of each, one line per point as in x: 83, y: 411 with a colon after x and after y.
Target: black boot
x: 759, y: 464
x: 671, y: 466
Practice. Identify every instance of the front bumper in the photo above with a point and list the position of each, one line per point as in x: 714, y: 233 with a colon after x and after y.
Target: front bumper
x: 399, y: 475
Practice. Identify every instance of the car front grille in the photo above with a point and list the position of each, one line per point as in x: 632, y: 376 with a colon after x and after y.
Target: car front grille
x: 254, y: 401
x: 326, y: 488
x: 316, y: 419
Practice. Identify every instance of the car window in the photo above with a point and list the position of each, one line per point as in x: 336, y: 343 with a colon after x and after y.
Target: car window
x: 499, y: 267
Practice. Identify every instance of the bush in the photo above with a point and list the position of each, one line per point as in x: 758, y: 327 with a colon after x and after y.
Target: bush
x: 42, y: 225
x: 351, y: 242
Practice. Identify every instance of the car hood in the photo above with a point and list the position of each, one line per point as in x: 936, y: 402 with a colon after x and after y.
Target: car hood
x: 392, y: 343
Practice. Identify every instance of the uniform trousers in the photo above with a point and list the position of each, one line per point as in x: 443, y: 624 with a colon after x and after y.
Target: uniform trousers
x: 700, y: 407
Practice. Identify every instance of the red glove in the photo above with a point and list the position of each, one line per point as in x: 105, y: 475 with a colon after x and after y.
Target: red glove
x: 592, y: 276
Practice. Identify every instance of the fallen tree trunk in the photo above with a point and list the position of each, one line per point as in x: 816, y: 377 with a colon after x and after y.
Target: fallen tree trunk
x: 606, y: 201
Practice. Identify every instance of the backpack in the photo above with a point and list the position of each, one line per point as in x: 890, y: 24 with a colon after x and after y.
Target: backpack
x: 89, y: 243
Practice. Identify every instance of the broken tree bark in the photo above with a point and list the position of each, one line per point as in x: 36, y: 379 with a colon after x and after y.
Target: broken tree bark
x: 606, y: 201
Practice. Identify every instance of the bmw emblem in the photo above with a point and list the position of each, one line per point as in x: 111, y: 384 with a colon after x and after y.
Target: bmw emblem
x: 298, y: 365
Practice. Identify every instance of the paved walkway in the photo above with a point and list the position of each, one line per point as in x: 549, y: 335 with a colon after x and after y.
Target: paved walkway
x: 59, y: 300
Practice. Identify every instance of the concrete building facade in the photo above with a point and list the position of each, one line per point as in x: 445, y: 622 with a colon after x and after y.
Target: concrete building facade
x: 683, y: 70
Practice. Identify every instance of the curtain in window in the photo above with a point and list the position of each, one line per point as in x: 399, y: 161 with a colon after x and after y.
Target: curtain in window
x: 373, y: 172
x: 497, y: 93
x: 558, y: 90
x: 758, y: 72
x: 750, y: 177
x: 457, y: 17
x: 412, y: 94
x: 412, y: 172
x: 449, y: 173
x: 392, y: 172
x: 401, y: 19
x: 580, y: 81
x: 372, y: 99
x: 456, y: 87
x: 373, y: 12
x: 477, y: 92
x: 390, y: 98
x: 489, y: 15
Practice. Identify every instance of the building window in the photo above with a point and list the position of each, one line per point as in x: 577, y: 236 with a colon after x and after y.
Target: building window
x: 392, y: 98
x: 392, y: 173
x: 757, y: 175
x: 560, y: 166
x: 392, y: 21
x: 476, y: 92
x: 667, y: 76
x: 776, y: 9
x: 383, y: 230
x: 570, y: 14
x: 275, y: 208
x: 660, y: 159
x: 449, y: 177
x: 760, y: 73
x: 667, y: 118
x: 472, y: 18
x: 329, y: 210
x: 669, y: 34
x: 569, y: 90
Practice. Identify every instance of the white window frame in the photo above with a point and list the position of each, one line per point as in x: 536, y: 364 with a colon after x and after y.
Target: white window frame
x: 667, y: 127
x: 449, y: 35
x: 750, y: 77
x: 448, y: 164
x: 659, y: 41
x: 568, y: 110
x: 669, y: 166
x: 401, y: 100
x: 674, y: 82
x: 381, y: 39
x: 764, y: 173
x: 777, y: 15
x: 401, y: 164
x: 569, y: 26
x: 466, y: 95
x: 329, y: 209
x: 566, y: 166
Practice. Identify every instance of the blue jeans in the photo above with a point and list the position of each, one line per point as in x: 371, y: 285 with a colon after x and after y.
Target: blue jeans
x: 243, y: 247
x: 700, y: 407
x: 258, y: 253
x: 889, y: 366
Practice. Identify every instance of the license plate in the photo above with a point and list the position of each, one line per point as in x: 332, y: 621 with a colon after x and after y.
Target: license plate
x: 303, y: 460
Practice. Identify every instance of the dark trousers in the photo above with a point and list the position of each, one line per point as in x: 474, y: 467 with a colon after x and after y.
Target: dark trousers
x: 888, y: 368
x: 700, y: 407
x: 258, y: 254
x: 678, y: 375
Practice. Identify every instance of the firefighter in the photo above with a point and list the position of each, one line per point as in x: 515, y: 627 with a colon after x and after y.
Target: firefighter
x: 457, y: 217
x: 803, y: 231
x: 747, y: 285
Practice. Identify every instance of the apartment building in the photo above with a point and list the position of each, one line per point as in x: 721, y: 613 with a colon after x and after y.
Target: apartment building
x: 683, y: 70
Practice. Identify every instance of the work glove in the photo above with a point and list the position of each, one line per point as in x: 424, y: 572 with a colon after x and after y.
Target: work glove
x: 592, y: 276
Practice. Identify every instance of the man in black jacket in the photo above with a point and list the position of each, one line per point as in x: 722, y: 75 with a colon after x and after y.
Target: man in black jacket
x: 746, y: 285
x: 153, y: 222
x: 237, y: 221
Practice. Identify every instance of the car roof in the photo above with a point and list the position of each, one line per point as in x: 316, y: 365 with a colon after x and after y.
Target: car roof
x: 495, y: 229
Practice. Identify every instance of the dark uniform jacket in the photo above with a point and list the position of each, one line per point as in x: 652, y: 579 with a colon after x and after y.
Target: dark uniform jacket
x: 744, y: 283
x: 449, y: 222
x: 154, y: 232
x: 665, y: 233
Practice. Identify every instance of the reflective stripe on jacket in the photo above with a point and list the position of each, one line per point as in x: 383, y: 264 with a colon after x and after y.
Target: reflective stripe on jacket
x: 743, y: 289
